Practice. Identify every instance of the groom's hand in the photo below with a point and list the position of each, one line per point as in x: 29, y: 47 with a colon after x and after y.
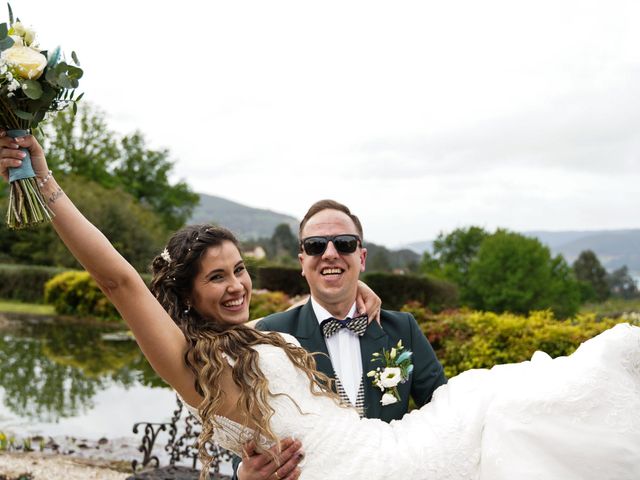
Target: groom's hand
x: 260, y: 466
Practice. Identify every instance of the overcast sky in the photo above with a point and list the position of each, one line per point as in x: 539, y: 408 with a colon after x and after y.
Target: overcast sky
x: 421, y: 116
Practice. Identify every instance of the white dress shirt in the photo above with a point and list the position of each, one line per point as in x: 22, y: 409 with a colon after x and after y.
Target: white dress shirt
x: 344, y: 350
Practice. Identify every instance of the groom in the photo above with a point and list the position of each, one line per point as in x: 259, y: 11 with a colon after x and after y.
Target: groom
x: 332, y: 257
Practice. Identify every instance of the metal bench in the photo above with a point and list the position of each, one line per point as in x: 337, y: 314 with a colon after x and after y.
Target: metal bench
x: 182, y: 432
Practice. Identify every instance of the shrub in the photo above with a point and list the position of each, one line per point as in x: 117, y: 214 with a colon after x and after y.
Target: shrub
x: 283, y: 279
x: 265, y: 303
x: 25, y: 282
x: 76, y: 293
x: 396, y: 290
x: 468, y: 339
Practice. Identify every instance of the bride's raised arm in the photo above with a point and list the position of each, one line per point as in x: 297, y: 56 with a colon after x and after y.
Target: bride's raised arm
x: 158, y: 336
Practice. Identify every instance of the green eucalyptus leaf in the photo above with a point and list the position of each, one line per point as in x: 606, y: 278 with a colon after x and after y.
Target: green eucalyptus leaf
x: 64, y: 81
x: 74, y: 108
x: 10, y: 13
x: 74, y: 57
x: 74, y: 72
x: 6, y: 43
x: 32, y: 89
x: 51, y: 76
x: 79, y: 97
x: 4, y: 30
x: 24, y: 115
x: 61, y: 67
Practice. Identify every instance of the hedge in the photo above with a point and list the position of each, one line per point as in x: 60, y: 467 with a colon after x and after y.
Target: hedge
x: 394, y: 290
x: 25, y: 283
x: 397, y: 290
x: 282, y: 279
x: 468, y: 339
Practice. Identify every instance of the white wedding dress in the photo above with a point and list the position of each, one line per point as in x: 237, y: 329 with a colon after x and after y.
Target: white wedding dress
x: 575, y: 417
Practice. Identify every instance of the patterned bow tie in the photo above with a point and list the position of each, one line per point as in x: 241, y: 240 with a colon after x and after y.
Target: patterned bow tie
x: 357, y: 325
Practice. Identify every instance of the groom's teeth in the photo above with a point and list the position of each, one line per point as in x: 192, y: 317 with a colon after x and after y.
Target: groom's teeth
x: 331, y: 271
x: 234, y: 303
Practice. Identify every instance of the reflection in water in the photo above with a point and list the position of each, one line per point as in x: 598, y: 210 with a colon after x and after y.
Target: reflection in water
x: 53, y: 370
x: 70, y: 380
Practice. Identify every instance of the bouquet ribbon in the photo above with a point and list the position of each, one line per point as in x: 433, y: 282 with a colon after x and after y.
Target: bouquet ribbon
x: 26, y: 169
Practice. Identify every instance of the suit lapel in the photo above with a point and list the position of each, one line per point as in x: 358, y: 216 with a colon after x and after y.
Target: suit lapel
x: 374, y: 340
x: 311, y: 339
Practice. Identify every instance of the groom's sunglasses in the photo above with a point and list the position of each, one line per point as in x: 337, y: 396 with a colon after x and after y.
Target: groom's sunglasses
x: 344, y: 244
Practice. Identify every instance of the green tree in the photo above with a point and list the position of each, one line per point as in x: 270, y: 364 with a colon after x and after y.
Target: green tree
x: 283, y: 242
x: 592, y: 275
x: 622, y: 284
x: 144, y: 173
x: 84, y: 146
x: 430, y: 265
x: 564, y: 296
x: 453, y: 254
x: 517, y: 274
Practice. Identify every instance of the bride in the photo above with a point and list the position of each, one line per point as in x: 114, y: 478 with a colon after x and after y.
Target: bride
x: 573, y: 417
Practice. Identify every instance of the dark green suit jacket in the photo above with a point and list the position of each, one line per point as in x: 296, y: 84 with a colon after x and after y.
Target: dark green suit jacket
x: 427, y: 375
x: 427, y: 372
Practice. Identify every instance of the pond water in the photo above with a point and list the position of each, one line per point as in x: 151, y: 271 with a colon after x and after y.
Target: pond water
x: 77, y: 382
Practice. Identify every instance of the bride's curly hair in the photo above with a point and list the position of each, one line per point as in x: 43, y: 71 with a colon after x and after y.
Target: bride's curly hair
x: 174, y: 271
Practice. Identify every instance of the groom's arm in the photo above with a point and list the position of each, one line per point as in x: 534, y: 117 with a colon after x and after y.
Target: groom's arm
x: 428, y: 373
x: 260, y: 466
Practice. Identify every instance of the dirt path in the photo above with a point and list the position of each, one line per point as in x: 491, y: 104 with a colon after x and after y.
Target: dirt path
x: 57, y: 467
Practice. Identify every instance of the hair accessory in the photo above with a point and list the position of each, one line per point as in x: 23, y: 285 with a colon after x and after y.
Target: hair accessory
x: 165, y: 255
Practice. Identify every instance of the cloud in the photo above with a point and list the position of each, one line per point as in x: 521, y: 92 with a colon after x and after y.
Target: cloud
x: 594, y: 131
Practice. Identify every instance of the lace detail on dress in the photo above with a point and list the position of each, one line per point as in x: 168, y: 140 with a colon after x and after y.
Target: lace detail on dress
x: 232, y: 435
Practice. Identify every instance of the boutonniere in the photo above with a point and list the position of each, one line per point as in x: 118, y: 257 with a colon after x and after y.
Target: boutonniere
x: 396, y: 370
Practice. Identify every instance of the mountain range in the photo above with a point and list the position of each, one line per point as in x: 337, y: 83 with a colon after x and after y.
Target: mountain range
x: 247, y: 223
x: 614, y: 248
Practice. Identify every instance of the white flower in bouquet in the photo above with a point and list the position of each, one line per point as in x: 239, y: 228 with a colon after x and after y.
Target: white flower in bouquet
x: 390, y: 377
x: 388, y: 399
x: 22, y: 35
x: 26, y: 61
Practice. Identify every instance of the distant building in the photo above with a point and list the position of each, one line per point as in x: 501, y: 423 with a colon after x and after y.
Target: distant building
x: 257, y: 253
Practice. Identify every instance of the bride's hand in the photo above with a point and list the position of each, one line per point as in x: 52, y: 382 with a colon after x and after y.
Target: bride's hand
x: 12, y: 156
x: 368, y: 302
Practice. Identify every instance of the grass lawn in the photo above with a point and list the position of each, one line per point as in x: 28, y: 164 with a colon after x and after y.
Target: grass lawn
x: 612, y: 306
x: 12, y: 306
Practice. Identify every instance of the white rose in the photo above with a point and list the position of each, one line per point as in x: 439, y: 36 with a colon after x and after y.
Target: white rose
x: 388, y: 399
x: 29, y: 63
x: 390, y: 377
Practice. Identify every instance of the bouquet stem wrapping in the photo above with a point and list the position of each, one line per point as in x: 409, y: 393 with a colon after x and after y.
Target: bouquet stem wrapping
x: 27, y: 206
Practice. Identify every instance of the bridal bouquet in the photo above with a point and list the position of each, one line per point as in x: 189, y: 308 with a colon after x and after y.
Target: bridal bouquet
x: 33, y: 82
